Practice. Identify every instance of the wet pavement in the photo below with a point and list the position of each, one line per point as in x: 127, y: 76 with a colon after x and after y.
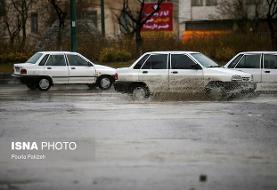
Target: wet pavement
x: 125, y: 144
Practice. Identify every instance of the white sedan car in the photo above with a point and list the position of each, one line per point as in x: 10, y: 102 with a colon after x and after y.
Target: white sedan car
x: 45, y: 69
x: 262, y: 65
x: 180, y: 71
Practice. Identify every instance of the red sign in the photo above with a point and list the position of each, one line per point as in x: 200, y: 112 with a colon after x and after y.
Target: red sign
x: 161, y: 20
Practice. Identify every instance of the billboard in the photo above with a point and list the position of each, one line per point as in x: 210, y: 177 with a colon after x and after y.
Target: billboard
x: 161, y: 20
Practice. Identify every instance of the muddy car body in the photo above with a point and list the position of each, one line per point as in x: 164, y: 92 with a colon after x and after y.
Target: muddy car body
x: 180, y: 72
x: 45, y: 69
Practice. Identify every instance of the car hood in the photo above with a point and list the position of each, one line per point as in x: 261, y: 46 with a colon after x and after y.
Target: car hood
x: 221, y: 70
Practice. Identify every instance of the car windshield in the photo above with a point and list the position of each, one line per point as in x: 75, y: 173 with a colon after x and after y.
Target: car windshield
x: 204, y: 60
x: 34, y: 58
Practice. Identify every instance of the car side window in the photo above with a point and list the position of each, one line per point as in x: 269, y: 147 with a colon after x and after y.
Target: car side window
x: 75, y: 60
x: 270, y: 61
x: 42, y: 62
x: 249, y: 62
x: 181, y: 61
x: 141, y: 61
x: 156, y: 62
x: 56, y: 60
x: 235, y: 61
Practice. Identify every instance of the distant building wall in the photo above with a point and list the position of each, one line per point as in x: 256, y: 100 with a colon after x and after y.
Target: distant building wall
x: 207, y: 15
x: 42, y: 15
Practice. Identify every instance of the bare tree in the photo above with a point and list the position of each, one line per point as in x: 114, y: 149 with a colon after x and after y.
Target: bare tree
x: 240, y: 11
x: 22, y: 7
x: 61, y: 14
x: 132, y: 21
x: 271, y: 15
x: 234, y: 9
x: 12, y: 24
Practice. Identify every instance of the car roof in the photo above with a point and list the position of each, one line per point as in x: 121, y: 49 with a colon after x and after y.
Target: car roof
x: 172, y: 52
x: 51, y: 52
x: 244, y: 52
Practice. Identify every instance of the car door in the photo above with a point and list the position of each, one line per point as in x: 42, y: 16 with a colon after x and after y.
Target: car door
x: 269, y: 71
x: 154, y: 72
x: 80, y: 70
x: 251, y: 63
x: 57, y: 68
x: 185, y: 74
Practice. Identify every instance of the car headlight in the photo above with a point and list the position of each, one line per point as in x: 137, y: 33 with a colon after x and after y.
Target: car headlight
x: 236, y: 78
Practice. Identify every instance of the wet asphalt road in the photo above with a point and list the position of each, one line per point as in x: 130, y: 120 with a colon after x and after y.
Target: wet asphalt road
x: 150, y: 145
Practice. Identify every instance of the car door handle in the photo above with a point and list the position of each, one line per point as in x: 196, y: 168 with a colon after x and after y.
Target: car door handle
x: 267, y: 71
x: 49, y: 67
x: 174, y: 72
x: 73, y: 67
x: 144, y: 72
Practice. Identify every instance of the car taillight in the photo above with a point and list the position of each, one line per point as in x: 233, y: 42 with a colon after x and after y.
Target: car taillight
x: 115, y: 76
x: 23, y: 71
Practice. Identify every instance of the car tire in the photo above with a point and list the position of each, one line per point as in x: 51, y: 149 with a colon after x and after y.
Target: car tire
x: 217, y: 92
x: 32, y: 86
x: 140, y: 92
x: 44, y: 84
x: 105, y: 82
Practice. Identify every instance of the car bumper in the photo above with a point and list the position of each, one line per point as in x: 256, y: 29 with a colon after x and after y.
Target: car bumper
x: 241, y: 86
x: 25, y: 79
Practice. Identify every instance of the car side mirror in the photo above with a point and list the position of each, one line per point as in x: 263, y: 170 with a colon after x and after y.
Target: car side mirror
x: 196, y: 67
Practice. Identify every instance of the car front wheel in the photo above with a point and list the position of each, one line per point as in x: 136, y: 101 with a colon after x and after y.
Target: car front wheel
x: 140, y: 92
x: 105, y: 82
x: 44, y: 84
x: 216, y: 92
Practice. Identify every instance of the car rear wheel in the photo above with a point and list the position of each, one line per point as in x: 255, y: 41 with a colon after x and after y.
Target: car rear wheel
x: 105, y: 82
x: 44, y: 84
x: 140, y: 92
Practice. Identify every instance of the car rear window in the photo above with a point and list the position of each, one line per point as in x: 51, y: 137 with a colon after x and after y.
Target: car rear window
x: 34, y: 58
x: 270, y: 61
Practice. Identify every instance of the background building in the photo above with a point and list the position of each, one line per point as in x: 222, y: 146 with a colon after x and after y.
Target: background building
x: 215, y: 16
x: 189, y: 17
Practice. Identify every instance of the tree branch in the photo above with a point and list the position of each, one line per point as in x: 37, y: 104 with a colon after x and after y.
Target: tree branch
x: 159, y: 2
